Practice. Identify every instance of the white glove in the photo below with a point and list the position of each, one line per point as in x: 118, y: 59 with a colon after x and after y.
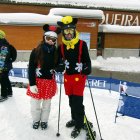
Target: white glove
x: 79, y: 67
x: 52, y: 71
x: 34, y: 89
x: 67, y: 64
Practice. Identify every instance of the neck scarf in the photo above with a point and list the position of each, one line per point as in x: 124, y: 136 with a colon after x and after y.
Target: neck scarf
x: 71, y: 44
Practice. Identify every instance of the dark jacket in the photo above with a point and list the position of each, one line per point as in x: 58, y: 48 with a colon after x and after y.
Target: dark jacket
x: 72, y: 55
x: 8, y: 55
x: 48, y: 65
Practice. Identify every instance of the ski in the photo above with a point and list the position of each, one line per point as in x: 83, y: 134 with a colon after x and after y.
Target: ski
x: 88, y: 126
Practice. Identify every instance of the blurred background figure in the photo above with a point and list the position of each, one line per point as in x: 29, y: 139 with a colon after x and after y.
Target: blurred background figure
x: 8, y: 55
x: 123, y: 88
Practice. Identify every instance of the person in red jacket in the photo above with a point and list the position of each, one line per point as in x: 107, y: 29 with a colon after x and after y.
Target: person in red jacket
x: 74, y: 53
x: 42, y: 84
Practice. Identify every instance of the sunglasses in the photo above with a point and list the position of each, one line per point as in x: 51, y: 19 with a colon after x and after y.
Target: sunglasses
x: 50, y: 38
x: 69, y: 31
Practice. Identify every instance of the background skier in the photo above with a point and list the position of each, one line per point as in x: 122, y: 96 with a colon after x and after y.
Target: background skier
x: 8, y: 55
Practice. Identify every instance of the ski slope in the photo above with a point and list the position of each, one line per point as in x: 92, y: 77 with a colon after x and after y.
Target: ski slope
x: 16, y: 121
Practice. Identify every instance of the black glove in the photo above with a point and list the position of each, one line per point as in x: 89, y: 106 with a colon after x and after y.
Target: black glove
x: 86, y: 70
x: 60, y: 67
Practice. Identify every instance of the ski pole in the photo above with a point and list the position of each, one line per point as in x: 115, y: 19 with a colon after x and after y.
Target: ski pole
x: 94, y: 110
x: 58, y: 134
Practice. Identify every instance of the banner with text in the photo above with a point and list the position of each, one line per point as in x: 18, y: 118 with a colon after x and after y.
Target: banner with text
x: 95, y: 82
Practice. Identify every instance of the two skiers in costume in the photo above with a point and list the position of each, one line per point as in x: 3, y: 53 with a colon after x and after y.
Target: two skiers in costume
x: 42, y: 84
x: 74, y: 55
x: 8, y: 55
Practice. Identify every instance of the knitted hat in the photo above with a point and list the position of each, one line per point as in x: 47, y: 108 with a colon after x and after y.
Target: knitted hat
x: 2, y: 34
x: 51, y: 31
x: 67, y: 22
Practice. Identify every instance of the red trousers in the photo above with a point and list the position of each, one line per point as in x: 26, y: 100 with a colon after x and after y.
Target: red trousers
x: 74, y: 84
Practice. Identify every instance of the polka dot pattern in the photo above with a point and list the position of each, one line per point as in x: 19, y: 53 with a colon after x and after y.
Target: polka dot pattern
x: 46, y: 89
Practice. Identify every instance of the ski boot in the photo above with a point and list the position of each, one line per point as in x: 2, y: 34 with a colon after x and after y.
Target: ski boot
x: 75, y: 132
x: 44, y: 125
x: 70, y: 123
x: 36, y: 125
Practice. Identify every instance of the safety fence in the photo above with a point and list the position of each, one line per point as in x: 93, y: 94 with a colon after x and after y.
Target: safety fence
x: 129, y: 104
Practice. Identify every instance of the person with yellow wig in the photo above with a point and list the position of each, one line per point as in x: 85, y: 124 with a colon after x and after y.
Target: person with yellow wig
x: 73, y: 52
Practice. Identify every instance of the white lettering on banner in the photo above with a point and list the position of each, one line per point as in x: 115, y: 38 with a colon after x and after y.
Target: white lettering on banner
x: 24, y: 73
x: 96, y: 83
x: 121, y: 19
x: 92, y: 82
x: 11, y: 73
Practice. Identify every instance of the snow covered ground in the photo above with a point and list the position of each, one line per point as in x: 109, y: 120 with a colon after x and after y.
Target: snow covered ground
x: 16, y: 122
